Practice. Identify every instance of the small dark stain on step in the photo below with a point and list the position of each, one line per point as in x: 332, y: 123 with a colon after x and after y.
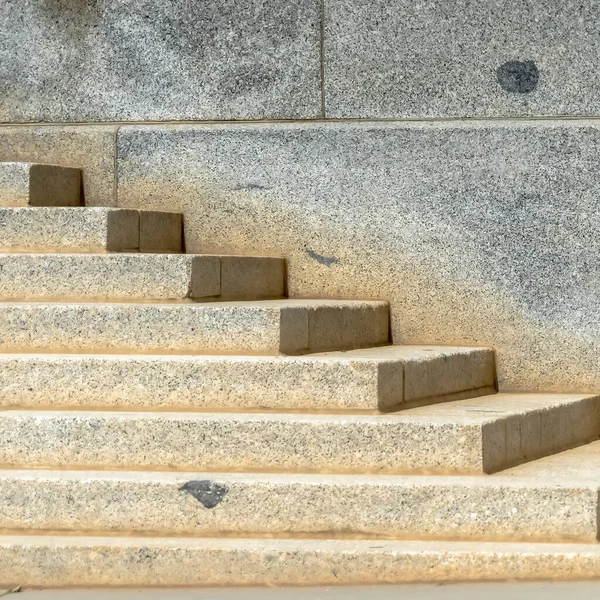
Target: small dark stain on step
x: 208, y: 493
x: 518, y: 77
x: 250, y: 187
x: 322, y: 260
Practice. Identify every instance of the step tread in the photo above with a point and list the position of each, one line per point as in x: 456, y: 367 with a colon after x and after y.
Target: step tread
x: 466, y: 436
x: 476, y: 411
x: 233, y: 327
x: 581, y: 463
x: 89, y: 229
x: 138, y: 276
x: 504, y: 479
x: 146, y: 561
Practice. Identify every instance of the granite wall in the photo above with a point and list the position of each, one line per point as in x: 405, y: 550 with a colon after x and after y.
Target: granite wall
x: 441, y: 155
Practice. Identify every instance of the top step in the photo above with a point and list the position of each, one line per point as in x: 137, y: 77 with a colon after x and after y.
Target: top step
x: 29, y: 184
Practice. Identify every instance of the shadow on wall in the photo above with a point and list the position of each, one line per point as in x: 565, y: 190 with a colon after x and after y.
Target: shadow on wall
x: 481, y: 235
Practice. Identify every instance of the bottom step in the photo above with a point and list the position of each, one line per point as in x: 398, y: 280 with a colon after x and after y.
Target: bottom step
x: 77, y: 561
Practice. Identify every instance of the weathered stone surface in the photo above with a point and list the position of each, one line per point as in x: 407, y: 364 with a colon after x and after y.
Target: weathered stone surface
x: 91, y: 149
x: 263, y: 327
x: 151, y: 60
x: 466, y: 436
x: 330, y: 506
x: 383, y: 378
x: 436, y: 58
x: 478, y: 234
x: 145, y: 561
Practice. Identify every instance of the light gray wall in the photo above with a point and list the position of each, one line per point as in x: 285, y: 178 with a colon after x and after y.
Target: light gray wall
x: 478, y: 232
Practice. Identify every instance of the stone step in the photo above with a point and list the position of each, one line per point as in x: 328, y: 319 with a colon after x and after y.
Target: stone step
x: 89, y: 229
x: 87, y: 277
x: 466, y: 436
x: 319, y: 506
x: 262, y: 327
x: 30, y: 184
x: 578, y: 464
x: 56, y: 561
x: 384, y: 378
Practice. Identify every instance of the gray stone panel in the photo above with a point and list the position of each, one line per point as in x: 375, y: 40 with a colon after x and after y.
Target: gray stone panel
x: 434, y: 58
x: 68, y: 60
x: 92, y: 149
x: 480, y: 234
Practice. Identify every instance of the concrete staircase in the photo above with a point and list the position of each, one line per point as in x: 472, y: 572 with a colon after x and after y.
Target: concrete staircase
x: 172, y: 419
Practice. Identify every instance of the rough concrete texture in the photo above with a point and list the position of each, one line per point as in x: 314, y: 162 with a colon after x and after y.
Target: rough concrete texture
x: 92, y: 149
x: 316, y: 506
x: 263, y: 327
x: 74, y: 277
x: 436, y: 58
x: 67, y: 561
x: 150, y: 60
x: 478, y: 233
x: 466, y: 436
x: 29, y: 184
x: 355, y: 380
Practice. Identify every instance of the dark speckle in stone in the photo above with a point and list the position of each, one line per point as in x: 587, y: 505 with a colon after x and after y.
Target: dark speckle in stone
x: 322, y: 260
x: 518, y: 77
x: 250, y: 187
x: 208, y: 493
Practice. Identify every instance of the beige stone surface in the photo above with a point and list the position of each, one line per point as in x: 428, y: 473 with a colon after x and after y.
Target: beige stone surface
x: 318, y: 506
x: 368, y: 379
x: 74, y: 277
x: 466, y: 436
x: 68, y: 561
x: 576, y: 464
x: 161, y: 231
x: 262, y: 327
x: 29, y: 184
x: 478, y: 233
x: 60, y: 229
x: 89, y: 148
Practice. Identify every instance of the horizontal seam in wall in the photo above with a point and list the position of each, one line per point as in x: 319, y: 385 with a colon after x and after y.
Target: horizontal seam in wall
x: 527, y: 119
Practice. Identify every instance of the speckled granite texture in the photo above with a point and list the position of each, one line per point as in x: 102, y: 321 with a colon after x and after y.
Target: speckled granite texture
x: 434, y: 58
x: 359, y: 379
x: 478, y: 234
x: 321, y: 506
x: 70, y: 561
x: 152, y: 60
x: 264, y: 327
x: 91, y: 149
x: 468, y: 436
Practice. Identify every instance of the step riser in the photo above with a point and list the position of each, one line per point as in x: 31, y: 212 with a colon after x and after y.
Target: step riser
x: 89, y: 230
x: 235, y: 382
x: 78, y: 277
x: 212, y: 505
x: 290, y: 443
x: 56, y: 562
x: 27, y: 184
x: 267, y: 328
